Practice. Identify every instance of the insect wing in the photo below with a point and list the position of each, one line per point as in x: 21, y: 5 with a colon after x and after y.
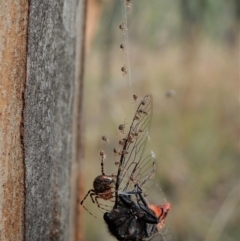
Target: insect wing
x: 133, y: 167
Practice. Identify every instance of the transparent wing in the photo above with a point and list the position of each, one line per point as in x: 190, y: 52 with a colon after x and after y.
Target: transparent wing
x: 134, y: 168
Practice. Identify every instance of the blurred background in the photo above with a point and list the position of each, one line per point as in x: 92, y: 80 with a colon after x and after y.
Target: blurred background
x: 187, y: 54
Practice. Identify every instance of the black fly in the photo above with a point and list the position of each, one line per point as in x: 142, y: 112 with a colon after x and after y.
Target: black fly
x: 136, y: 220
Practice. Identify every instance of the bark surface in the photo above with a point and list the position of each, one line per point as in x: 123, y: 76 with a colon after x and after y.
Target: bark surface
x: 41, y: 72
x: 50, y: 120
x: 13, y: 50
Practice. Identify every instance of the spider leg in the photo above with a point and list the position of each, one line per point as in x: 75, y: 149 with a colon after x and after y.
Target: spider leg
x: 91, y: 192
x: 102, y: 165
x: 89, y: 211
x: 99, y: 204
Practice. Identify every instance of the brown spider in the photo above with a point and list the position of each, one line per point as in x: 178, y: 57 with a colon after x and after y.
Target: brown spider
x: 102, y: 187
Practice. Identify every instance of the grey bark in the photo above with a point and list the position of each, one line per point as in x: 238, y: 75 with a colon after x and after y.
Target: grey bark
x: 51, y: 96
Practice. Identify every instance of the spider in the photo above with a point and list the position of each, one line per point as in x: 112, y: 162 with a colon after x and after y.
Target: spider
x: 102, y: 187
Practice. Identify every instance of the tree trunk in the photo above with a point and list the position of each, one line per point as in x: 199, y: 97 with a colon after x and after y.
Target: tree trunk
x: 40, y: 103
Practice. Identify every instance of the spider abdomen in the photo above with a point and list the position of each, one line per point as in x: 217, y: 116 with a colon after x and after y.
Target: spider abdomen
x: 103, y: 184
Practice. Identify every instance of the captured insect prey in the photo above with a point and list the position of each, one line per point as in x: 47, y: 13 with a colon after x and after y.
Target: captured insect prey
x: 136, y: 220
x: 130, y: 221
x: 132, y: 218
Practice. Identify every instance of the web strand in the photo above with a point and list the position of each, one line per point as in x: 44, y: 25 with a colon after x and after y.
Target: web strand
x: 126, y: 43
